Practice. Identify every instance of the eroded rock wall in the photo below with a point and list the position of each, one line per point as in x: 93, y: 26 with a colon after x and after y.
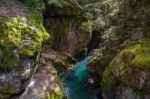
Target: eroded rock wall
x: 21, y: 37
x: 128, y: 32
x: 70, y: 31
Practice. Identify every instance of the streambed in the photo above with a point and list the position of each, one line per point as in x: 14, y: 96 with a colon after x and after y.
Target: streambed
x: 75, y: 82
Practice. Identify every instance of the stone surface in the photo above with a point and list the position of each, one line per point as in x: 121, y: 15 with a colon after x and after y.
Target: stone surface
x: 131, y: 68
x: 122, y: 27
x: 22, y: 34
x: 61, y: 61
x: 44, y: 85
x: 62, y: 8
x: 69, y: 33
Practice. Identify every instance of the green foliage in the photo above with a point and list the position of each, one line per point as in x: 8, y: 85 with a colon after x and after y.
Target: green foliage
x: 8, y: 89
x: 58, y: 92
x: 64, y: 3
x: 100, y: 23
x: 96, y: 54
x: 110, y: 34
x: 38, y: 4
x: 54, y: 96
x: 83, y: 2
x: 87, y: 27
x: 107, y: 78
x: 60, y: 3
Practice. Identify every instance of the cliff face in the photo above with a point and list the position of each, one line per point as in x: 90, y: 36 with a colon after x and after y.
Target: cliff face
x: 124, y: 74
x: 21, y: 36
x: 70, y: 30
x: 116, y: 32
x: 22, y: 50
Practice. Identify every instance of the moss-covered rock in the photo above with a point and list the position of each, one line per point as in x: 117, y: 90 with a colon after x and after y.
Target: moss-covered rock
x: 131, y: 68
x: 118, y: 21
x: 21, y: 37
x: 24, y: 34
x: 6, y: 91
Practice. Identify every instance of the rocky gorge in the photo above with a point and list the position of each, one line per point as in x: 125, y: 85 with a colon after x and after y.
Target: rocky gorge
x: 74, y: 49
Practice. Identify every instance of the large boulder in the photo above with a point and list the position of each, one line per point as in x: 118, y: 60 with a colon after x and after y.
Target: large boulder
x: 22, y: 32
x: 44, y: 85
x: 61, y: 61
x: 21, y: 37
x: 130, y: 68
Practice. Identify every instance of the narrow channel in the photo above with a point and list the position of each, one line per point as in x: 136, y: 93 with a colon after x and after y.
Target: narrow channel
x: 75, y: 82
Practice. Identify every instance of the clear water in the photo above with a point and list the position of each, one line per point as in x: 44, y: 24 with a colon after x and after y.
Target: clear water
x: 75, y: 82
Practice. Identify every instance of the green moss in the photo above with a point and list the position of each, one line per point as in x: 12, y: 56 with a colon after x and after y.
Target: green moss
x: 38, y: 4
x: 29, y: 48
x: 60, y: 3
x: 148, y: 11
x: 87, y: 27
x: 54, y: 96
x: 106, y: 82
x: 57, y: 94
x: 65, y: 3
x: 6, y: 91
x: 9, y: 89
x: 128, y: 66
x: 35, y: 19
x: 139, y: 54
x: 22, y: 34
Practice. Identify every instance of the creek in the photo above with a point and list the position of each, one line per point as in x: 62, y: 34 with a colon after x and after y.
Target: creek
x: 75, y: 82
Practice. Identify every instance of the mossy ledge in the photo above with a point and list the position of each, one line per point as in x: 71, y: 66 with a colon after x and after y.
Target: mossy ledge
x: 138, y: 55
x: 131, y: 68
x: 21, y: 35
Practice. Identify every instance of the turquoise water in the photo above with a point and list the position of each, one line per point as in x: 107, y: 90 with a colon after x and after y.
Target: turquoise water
x: 80, y: 69
x: 75, y: 82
